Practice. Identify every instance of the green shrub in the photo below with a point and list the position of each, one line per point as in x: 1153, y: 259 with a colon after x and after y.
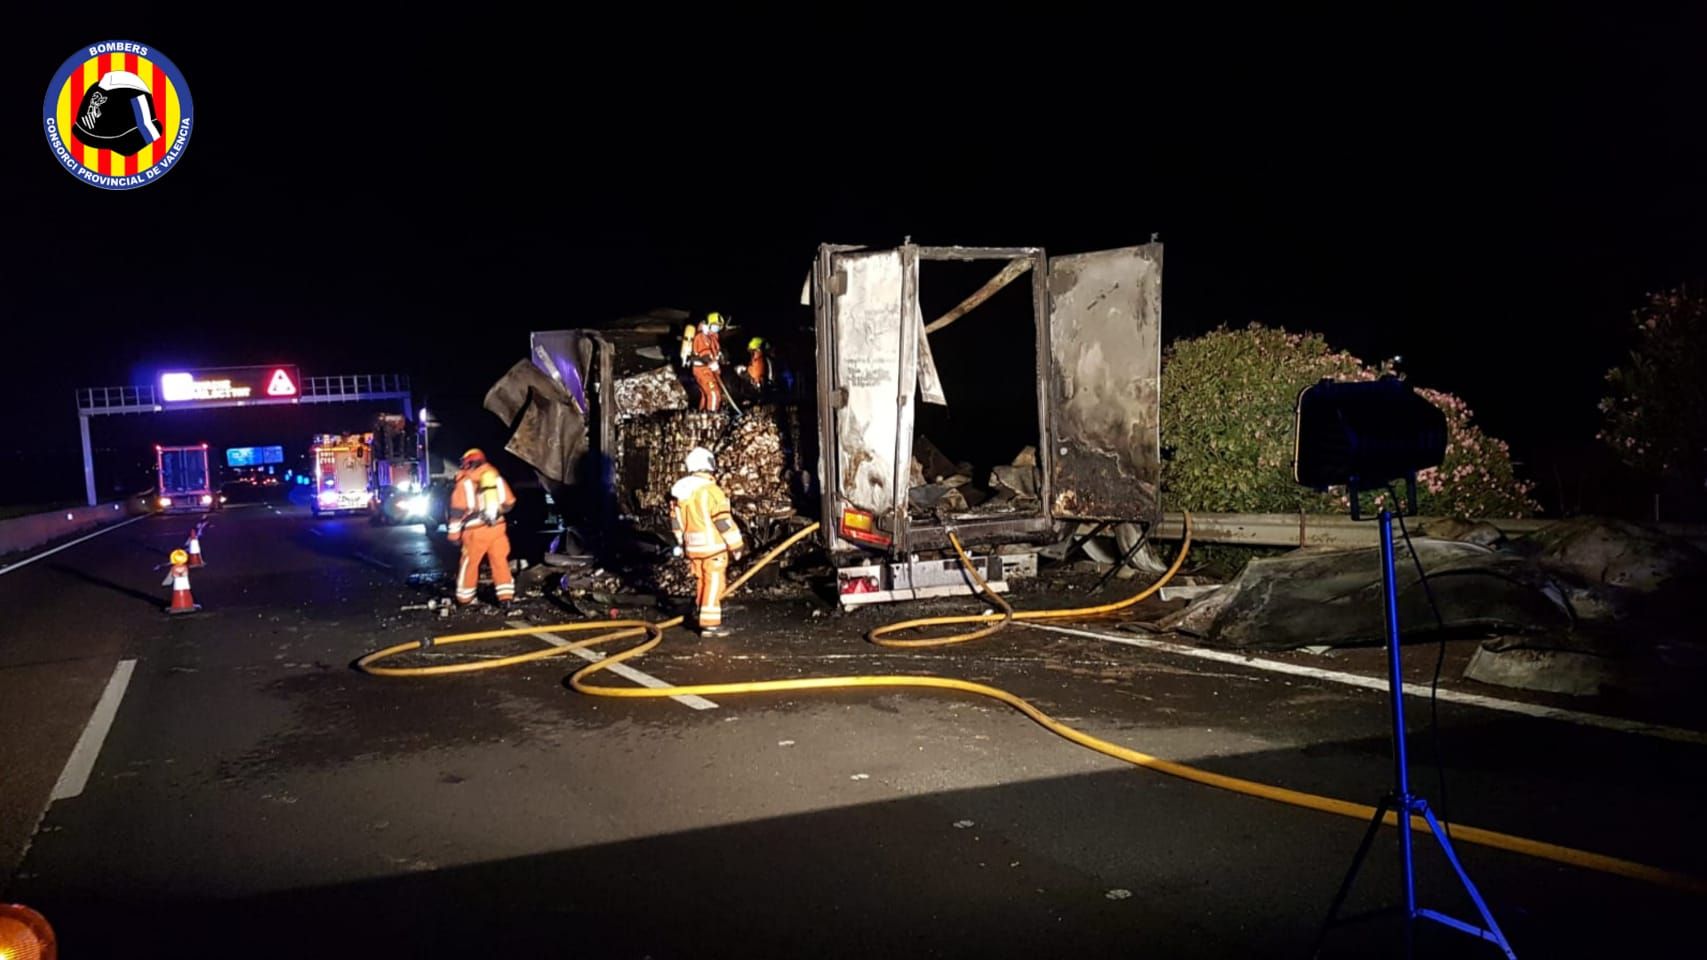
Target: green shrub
x: 1227, y: 421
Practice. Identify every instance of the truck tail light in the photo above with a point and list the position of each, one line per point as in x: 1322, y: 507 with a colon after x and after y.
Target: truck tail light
x: 860, y: 526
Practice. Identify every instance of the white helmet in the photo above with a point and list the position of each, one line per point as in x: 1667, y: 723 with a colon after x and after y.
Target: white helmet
x: 700, y: 461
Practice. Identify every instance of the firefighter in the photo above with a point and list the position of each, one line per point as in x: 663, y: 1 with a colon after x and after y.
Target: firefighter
x: 478, y: 502
x: 757, y: 373
x: 706, y: 533
x: 705, y: 359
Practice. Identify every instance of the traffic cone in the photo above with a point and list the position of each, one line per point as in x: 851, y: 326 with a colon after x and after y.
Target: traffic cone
x: 196, y: 546
x: 179, y: 578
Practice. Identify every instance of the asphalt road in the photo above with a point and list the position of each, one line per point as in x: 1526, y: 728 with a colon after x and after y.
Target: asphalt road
x: 257, y: 797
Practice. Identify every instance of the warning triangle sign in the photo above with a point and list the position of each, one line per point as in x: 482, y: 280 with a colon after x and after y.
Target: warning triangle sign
x: 281, y: 385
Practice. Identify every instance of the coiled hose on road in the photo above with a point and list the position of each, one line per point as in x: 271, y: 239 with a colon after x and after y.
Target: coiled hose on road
x: 993, y: 622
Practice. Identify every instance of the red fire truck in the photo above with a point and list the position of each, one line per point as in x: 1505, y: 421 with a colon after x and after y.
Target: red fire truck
x: 341, y: 472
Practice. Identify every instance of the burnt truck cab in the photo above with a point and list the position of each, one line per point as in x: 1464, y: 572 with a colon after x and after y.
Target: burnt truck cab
x: 1069, y: 363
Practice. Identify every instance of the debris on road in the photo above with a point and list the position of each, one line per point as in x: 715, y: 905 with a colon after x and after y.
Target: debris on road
x: 1313, y: 597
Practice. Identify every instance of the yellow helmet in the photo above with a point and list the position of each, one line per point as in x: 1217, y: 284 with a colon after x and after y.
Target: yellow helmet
x: 757, y: 343
x: 472, y: 457
x: 714, y: 319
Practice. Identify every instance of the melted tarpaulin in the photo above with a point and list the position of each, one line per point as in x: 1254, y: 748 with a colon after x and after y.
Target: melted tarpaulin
x: 1333, y: 597
x: 551, y: 435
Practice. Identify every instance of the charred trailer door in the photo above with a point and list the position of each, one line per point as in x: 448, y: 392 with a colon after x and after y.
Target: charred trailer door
x: 867, y: 314
x: 1104, y: 381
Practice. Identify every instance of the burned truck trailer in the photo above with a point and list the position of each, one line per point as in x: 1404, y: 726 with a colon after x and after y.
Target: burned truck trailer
x: 1027, y: 405
x: 1076, y: 351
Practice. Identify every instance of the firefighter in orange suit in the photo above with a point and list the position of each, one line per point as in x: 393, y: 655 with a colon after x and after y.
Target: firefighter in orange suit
x: 705, y: 359
x: 707, y: 534
x: 478, y: 502
x: 757, y: 373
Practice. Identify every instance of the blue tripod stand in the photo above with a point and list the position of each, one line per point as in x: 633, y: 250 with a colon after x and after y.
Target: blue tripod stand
x: 1407, y: 804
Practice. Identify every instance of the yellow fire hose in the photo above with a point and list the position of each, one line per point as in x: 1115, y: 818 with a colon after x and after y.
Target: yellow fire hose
x: 654, y: 633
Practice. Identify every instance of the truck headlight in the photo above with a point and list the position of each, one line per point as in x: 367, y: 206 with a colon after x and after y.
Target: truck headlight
x: 413, y: 506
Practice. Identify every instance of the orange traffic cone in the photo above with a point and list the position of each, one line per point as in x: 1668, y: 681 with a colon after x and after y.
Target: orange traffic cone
x: 196, y: 546
x: 179, y: 578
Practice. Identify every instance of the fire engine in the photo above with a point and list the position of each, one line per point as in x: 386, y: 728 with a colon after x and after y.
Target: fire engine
x: 396, y: 477
x: 341, y: 472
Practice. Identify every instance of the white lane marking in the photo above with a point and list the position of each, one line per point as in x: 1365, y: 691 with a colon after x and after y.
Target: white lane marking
x: 63, y: 546
x: 75, y: 776
x: 623, y: 670
x: 1619, y: 724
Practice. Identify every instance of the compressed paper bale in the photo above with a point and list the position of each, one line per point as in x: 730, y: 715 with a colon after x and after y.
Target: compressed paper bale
x: 651, y: 392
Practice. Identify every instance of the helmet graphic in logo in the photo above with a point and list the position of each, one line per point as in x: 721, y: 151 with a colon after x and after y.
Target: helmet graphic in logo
x: 118, y: 114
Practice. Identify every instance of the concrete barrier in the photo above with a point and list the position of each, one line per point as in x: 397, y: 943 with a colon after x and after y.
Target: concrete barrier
x: 23, y: 533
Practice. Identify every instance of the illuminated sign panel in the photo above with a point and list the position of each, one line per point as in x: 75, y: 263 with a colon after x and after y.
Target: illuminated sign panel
x: 253, y: 456
x: 277, y: 382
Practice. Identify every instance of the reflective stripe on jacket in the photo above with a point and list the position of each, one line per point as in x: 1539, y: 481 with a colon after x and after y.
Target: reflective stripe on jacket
x: 700, y: 517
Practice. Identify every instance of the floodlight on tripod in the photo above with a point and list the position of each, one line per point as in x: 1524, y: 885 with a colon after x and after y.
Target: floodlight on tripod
x: 1365, y: 435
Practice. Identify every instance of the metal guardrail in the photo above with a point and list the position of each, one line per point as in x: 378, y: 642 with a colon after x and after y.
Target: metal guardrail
x: 1334, y: 530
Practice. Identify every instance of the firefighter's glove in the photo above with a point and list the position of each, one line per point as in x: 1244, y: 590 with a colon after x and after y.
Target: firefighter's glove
x: 737, y: 553
x: 453, y: 532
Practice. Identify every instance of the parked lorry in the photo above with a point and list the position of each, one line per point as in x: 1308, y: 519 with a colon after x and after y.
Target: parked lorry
x: 1019, y: 413
x: 183, y: 480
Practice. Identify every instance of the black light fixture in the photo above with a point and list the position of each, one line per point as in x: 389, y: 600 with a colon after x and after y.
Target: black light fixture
x: 1365, y: 434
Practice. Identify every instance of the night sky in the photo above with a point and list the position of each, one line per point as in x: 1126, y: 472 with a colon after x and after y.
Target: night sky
x: 1488, y: 195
